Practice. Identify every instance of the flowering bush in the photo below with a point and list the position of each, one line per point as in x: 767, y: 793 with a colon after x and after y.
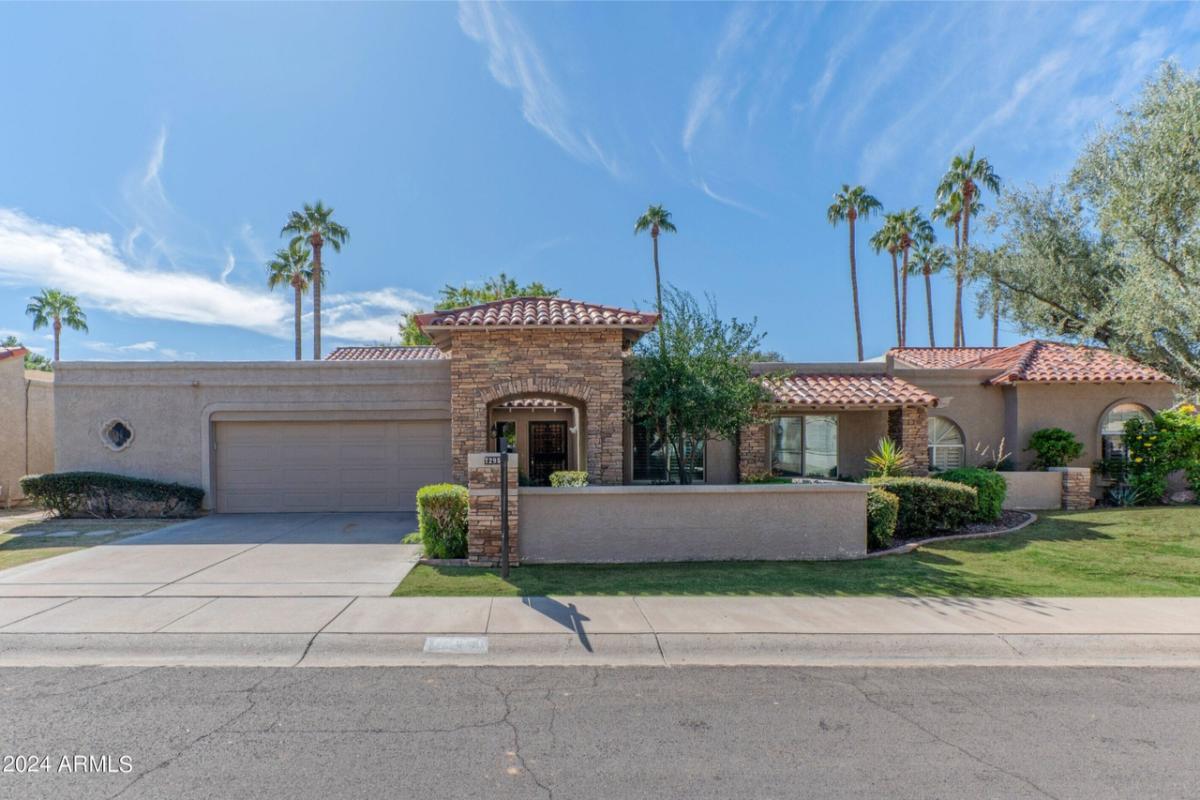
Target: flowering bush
x: 1158, y: 447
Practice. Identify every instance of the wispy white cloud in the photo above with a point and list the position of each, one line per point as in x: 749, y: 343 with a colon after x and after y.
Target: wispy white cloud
x: 137, y: 351
x: 516, y: 62
x: 703, y: 186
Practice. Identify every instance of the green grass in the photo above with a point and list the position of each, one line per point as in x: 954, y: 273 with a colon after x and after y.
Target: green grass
x: 1142, y: 552
x: 33, y: 545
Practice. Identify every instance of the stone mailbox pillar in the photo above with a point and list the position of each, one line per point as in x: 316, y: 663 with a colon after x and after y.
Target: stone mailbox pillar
x: 483, y: 517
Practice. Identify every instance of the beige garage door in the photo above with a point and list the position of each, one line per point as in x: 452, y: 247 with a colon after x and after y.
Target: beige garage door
x: 327, y: 466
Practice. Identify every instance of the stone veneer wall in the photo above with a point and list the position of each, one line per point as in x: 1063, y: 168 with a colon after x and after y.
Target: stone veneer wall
x: 754, y: 456
x: 909, y: 428
x: 483, y: 516
x: 578, y: 364
x: 1076, y: 488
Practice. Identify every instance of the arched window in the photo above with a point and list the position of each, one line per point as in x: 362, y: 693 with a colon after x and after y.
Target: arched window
x: 1112, y: 428
x: 947, y: 448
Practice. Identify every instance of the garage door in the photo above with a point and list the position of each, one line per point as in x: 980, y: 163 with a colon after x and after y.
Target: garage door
x: 327, y: 466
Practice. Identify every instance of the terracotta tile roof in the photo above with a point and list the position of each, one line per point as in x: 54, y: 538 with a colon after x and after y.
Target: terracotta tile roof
x: 848, y: 391
x: 418, y: 353
x: 1037, y: 361
x: 12, y: 352
x: 537, y: 311
x: 940, y: 357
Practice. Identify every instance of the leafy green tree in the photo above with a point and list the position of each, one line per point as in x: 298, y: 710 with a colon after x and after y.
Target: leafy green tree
x: 1112, y: 255
x: 499, y: 287
x: 928, y: 260
x: 849, y: 205
x: 291, y: 267
x: 692, y: 380
x: 315, y: 226
x: 656, y: 220
x: 888, y: 238
x: 34, y: 361
x: 966, y: 175
x: 56, y: 309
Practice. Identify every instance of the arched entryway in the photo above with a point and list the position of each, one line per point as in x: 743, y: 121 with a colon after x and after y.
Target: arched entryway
x: 548, y: 433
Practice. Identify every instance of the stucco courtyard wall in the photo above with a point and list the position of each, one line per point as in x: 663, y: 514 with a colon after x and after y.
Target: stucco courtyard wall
x: 620, y: 524
x: 1033, y: 491
x: 26, y: 426
x: 171, y: 407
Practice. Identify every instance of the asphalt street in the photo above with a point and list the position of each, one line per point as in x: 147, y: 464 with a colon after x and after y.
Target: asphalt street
x: 577, y: 733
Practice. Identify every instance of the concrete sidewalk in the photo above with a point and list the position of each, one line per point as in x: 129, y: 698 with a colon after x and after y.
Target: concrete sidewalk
x: 664, y: 631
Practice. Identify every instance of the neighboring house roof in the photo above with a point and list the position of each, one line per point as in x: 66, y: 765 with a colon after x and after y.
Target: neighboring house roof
x: 1038, y: 361
x: 833, y: 390
x: 940, y: 357
x: 12, y: 352
x: 415, y: 353
x: 537, y: 312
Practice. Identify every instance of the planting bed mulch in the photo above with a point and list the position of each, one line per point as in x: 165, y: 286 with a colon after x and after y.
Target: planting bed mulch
x: 1009, y: 522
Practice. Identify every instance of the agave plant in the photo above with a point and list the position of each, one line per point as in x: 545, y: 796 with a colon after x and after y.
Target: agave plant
x: 889, y: 460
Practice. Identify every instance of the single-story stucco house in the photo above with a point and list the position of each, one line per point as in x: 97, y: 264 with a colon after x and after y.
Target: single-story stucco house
x: 365, y: 428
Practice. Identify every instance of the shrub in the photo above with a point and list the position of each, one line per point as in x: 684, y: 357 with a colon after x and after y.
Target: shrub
x: 1158, y: 447
x: 569, y: 477
x: 928, y: 505
x: 442, y: 520
x: 109, y: 496
x: 889, y: 460
x: 1054, y: 447
x: 883, y: 508
x: 990, y: 487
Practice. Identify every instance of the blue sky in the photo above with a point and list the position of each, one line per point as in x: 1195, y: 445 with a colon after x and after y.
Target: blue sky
x: 151, y: 153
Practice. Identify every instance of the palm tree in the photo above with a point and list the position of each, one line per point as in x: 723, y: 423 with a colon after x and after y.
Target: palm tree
x: 913, y: 229
x: 291, y: 267
x: 927, y: 260
x: 966, y: 174
x: 656, y: 220
x: 849, y: 204
x: 888, y: 238
x: 55, y: 308
x: 315, y: 226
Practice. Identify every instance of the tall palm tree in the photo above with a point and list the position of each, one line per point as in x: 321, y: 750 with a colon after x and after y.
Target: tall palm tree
x: 928, y: 259
x: 656, y: 220
x: 291, y: 267
x: 949, y: 210
x: 968, y: 175
x: 913, y: 229
x: 55, y: 308
x: 315, y: 225
x: 888, y: 238
x: 849, y: 204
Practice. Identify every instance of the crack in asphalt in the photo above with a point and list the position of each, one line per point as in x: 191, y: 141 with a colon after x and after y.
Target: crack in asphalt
x: 506, y: 696
x: 939, y: 738
x: 251, y: 703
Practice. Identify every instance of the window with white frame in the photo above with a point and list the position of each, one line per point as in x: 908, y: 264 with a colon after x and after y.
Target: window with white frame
x: 947, y: 448
x: 1112, y: 428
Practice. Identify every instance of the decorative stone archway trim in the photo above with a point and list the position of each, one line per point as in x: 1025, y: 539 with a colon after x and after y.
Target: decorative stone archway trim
x: 506, y: 390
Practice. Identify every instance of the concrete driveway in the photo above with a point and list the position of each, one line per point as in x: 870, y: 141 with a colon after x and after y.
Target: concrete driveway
x: 236, y: 555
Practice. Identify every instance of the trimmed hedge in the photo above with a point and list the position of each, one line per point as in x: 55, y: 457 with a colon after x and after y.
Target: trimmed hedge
x: 108, y: 496
x: 569, y: 477
x: 442, y: 520
x: 883, y: 508
x: 928, y: 505
x: 990, y: 487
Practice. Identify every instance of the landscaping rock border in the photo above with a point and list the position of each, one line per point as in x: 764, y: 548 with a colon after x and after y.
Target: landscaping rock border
x: 909, y: 546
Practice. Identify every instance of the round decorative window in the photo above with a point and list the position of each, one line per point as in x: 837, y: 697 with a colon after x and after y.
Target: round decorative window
x: 117, y: 434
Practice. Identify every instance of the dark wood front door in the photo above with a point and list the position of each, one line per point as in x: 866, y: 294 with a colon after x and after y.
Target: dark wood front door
x: 547, y: 450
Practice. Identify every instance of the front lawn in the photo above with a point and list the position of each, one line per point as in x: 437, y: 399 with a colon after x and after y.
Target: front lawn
x: 1110, y: 552
x: 26, y: 537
